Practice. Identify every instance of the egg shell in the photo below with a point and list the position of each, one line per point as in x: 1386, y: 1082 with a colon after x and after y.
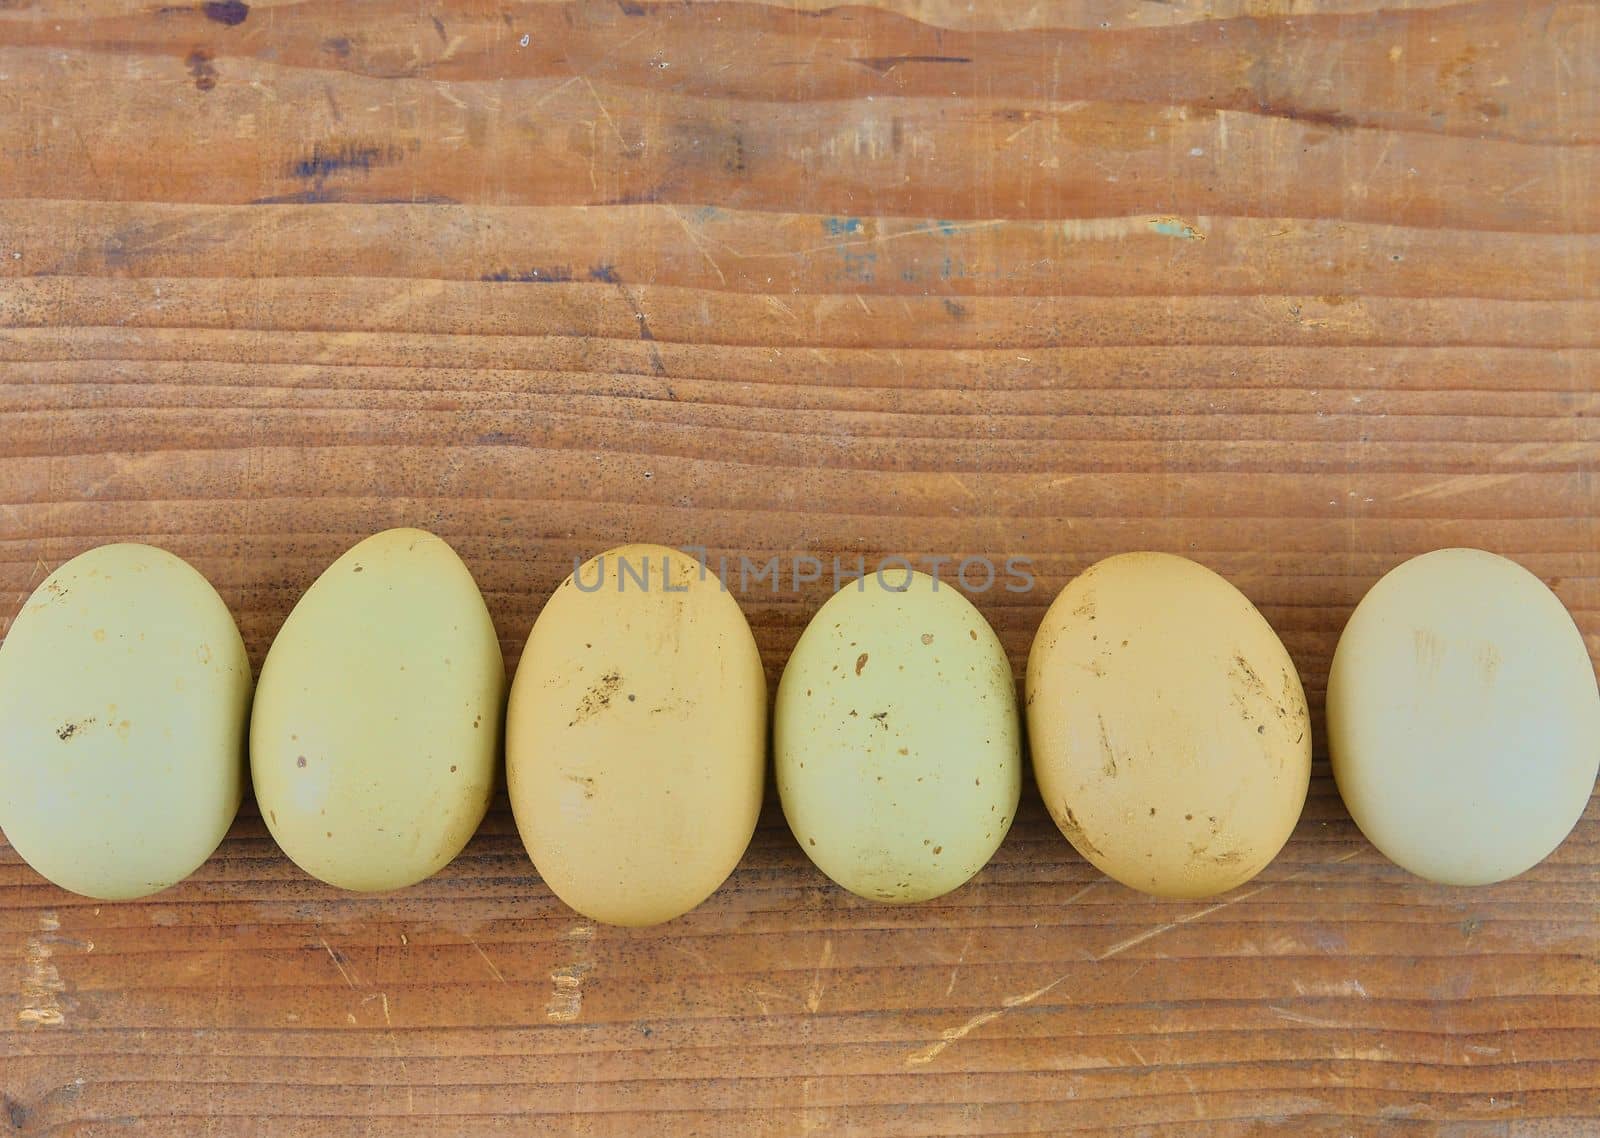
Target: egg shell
x: 636, y: 736
x: 1169, y: 730
x: 124, y: 690
x: 375, y: 736
x: 897, y: 743
x: 1463, y: 717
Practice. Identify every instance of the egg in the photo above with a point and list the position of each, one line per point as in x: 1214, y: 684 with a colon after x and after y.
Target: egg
x: 1169, y: 730
x: 376, y: 731
x: 897, y: 743
x: 124, y: 690
x: 636, y: 736
x: 1463, y: 718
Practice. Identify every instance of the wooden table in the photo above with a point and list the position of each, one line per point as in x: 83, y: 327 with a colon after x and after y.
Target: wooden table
x: 1294, y: 287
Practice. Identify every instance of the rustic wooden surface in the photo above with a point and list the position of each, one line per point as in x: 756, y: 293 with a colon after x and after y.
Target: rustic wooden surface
x: 1296, y: 287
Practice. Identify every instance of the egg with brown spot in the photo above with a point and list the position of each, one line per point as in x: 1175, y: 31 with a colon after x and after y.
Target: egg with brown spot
x: 900, y: 777
x: 124, y: 692
x: 1169, y: 730
x: 374, y: 741
x: 636, y: 736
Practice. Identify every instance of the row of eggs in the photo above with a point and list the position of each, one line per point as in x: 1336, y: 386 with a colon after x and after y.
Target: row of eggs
x: 1168, y: 729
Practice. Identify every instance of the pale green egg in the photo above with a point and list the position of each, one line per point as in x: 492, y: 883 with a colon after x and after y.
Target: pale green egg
x: 897, y: 740
x: 124, y: 691
x: 1463, y: 717
x: 376, y: 730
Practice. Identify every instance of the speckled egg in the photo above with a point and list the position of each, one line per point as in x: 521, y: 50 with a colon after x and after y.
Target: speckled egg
x: 124, y: 690
x: 896, y: 738
x: 376, y: 731
x: 636, y: 736
x: 1168, y: 726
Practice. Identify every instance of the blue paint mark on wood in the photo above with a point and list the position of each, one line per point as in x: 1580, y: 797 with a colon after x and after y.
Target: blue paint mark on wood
x: 336, y: 160
x: 231, y: 13
x: 530, y: 276
x: 860, y: 267
x: 321, y: 196
x: 303, y: 197
x: 858, y: 263
x: 1172, y: 227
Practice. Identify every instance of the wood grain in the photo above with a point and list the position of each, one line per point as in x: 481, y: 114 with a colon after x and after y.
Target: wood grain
x: 1295, y: 287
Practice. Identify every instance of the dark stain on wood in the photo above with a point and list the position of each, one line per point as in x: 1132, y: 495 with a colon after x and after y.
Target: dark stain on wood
x: 558, y: 275
x: 202, y: 69
x: 230, y: 13
x: 883, y: 64
x: 343, y: 158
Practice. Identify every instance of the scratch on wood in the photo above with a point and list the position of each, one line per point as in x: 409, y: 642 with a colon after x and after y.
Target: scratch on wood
x: 782, y: 307
x: 394, y: 1046
x: 761, y: 993
x: 1081, y: 893
x: 566, y: 993
x: 493, y: 971
x: 1296, y: 1017
x: 566, y: 997
x: 955, y: 1034
x: 943, y: 228
x: 819, y: 979
x: 41, y: 980
x: 338, y: 962
x: 556, y: 90
x: 1194, y: 1094
x: 960, y: 960
x: 134, y: 241
x: 1459, y: 484
x: 1510, y: 1034
x: 1150, y: 934
x: 695, y: 955
x: 694, y: 239
x: 605, y: 114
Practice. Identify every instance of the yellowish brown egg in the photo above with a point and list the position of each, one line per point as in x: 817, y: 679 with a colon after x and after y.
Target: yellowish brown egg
x: 1168, y: 726
x: 636, y: 736
x: 897, y: 741
x: 124, y: 690
x: 375, y: 735
x: 1463, y: 717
